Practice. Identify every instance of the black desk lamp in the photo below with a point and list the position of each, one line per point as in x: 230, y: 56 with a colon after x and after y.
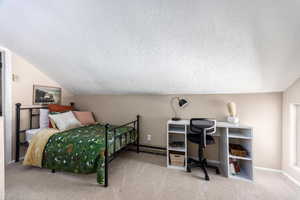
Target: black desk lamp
x: 181, y: 103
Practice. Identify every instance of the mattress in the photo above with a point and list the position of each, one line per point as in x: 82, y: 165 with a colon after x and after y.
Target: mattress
x: 30, y: 133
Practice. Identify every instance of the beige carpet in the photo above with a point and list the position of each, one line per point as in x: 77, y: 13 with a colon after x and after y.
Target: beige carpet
x: 143, y: 177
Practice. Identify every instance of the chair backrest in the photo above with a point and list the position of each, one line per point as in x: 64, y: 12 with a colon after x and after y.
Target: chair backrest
x: 199, y: 125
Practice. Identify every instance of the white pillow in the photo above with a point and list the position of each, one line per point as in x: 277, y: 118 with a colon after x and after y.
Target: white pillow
x: 44, y: 119
x: 65, y: 121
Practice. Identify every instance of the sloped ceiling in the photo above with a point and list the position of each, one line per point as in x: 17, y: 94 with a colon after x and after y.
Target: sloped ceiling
x: 157, y: 46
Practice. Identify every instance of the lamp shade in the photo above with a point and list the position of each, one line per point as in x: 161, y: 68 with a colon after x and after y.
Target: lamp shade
x: 182, y: 103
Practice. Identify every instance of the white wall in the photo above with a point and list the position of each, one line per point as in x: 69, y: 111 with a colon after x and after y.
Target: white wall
x: 298, y: 135
x: 28, y: 75
x: 263, y: 111
x: 7, y: 101
x: 2, y: 160
x: 290, y: 98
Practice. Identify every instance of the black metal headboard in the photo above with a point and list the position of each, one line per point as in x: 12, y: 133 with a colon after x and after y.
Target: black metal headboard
x: 32, y: 115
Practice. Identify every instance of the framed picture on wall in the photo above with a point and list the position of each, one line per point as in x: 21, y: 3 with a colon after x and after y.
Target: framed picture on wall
x: 43, y: 95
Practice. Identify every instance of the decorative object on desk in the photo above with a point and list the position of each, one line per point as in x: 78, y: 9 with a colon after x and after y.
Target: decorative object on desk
x: 237, y: 150
x: 179, y: 103
x: 232, y: 118
x: 46, y: 95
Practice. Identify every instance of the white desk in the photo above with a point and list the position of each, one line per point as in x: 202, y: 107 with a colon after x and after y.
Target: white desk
x: 227, y: 133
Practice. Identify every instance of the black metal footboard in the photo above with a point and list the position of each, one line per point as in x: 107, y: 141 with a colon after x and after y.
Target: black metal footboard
x: 136, y: 127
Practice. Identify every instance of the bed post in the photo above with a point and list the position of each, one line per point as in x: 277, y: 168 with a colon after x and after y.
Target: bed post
x: 114, y: 145
x: 18, y: 108
x: 106, y: 156
x: 30, y: 118
x: 138, y: 134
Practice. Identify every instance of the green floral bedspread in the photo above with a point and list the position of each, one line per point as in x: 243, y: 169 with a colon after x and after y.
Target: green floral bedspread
x: 81, y: 150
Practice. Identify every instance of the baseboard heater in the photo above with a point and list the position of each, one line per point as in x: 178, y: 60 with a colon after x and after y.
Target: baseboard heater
x: 152, y: 150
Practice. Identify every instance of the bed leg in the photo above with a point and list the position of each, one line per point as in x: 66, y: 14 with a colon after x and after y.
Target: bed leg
x: 18, y: 109
x: 138, y: 134
x: 106, y: 156
x: 53, y: 170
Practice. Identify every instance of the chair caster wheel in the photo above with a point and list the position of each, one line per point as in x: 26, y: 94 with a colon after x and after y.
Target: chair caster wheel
x: 206, y: 178
x: 188, y: 169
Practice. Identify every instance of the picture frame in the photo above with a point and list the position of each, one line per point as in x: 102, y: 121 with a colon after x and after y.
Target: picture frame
x: 44, y: 95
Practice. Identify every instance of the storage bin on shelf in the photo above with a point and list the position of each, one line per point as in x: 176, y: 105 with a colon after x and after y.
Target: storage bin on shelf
x: 177, y: 159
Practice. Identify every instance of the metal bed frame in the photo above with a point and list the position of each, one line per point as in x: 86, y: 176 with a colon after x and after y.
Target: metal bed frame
x: 135, y: 125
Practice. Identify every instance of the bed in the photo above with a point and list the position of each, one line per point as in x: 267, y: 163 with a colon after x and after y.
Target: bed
x: 86, y: 149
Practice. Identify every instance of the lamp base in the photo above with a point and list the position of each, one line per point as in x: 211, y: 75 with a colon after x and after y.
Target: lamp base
x: 233, y: 120
x: 176, y: 119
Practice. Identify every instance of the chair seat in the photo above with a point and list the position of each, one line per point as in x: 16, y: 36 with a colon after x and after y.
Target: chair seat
x: 198, y: 140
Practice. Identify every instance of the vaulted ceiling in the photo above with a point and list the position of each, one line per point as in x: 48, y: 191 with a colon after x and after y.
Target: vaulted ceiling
x: 157, y: 46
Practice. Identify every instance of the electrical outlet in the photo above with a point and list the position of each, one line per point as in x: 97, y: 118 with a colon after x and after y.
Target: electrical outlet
x: 149, y: 137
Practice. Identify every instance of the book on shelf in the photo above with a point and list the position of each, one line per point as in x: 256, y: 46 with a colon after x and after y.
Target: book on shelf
x: 237, y: 150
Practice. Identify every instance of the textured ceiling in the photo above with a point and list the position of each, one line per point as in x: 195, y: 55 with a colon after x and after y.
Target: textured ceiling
x: 157, y: 46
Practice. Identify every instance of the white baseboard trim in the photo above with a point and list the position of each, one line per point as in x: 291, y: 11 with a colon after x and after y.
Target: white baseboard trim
x: 13, y: 161
x: 268, y: 169
x: 291, y: 178
x: 280, y: 171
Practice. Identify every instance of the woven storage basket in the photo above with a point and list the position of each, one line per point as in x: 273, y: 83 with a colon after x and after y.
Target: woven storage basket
x: 177, y: 159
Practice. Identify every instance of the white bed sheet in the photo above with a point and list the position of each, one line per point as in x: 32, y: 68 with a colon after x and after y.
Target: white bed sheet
x: 30, y: 133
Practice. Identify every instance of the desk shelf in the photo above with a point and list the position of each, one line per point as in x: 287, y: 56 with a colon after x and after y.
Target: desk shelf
x: 176, y: 167
x: 176, y: 133
x: 246, y: 172
x: 174, y: 128
x: 239, y: 136
x: 244, y: 138
x: 240, y: 157
x: 179, y: 149
x: 242, y: 176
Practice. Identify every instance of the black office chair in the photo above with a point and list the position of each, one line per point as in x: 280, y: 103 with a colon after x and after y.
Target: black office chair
x: 200, y: 132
